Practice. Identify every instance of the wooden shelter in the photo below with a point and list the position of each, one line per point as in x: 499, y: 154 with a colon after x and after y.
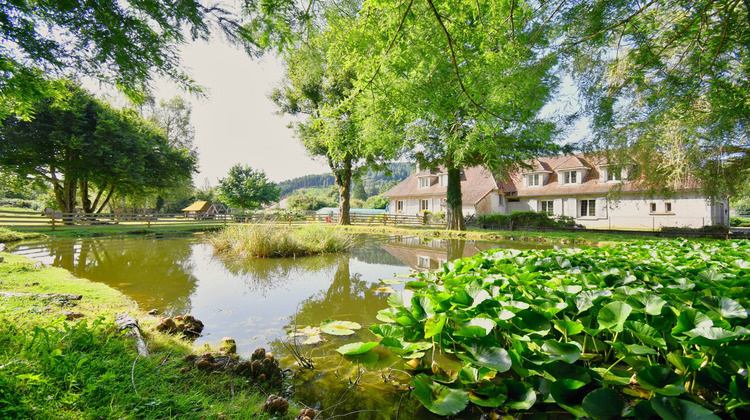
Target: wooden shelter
x: 201, y: 209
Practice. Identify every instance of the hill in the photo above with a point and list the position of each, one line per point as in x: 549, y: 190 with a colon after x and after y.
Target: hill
x: 375, y: 182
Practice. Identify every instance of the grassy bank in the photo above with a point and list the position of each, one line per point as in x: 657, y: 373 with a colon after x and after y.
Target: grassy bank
x: 257, y: 240
x: 51, y: 367
x: 7, y: 235
x: 565, y: 238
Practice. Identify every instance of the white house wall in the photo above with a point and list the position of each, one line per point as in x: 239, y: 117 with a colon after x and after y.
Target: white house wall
x: 630, y: 211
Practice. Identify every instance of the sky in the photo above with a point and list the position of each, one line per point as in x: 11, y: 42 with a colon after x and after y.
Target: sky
x: 236, y: 122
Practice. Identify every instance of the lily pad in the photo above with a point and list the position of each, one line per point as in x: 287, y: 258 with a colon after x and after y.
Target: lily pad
x: 603, y: 403
x: 384, y: 289
x: 356, y: 348
x: 495, y: 358
x: 334, y: 327
x: 438, y: 398
x: 613, y: 315
x: 678, y: 409
x: 661, y: 379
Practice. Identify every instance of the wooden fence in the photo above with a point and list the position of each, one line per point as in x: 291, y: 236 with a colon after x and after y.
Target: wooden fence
x: 56, y: 220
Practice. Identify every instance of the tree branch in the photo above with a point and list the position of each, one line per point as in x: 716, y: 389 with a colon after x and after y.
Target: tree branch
x: 455, y: 64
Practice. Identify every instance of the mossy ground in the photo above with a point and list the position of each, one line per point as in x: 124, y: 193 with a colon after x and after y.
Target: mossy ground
x: 81, y: 369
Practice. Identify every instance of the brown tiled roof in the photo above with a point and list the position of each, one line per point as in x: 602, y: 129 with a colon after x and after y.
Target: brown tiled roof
x: 590, y: 185
x: 476, y: 183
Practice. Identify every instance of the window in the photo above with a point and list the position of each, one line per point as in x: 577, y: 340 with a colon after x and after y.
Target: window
x: 570, y: 177
x: 424, y: 182
x: 399, y: 206
x: 424, y: 205
x: 588, y: 208
x: 444, y: 180
x: 652, y: 207
x: 667, y: 207
x: 547, y: 206
x: 614, y: 173
x: 532, y: 180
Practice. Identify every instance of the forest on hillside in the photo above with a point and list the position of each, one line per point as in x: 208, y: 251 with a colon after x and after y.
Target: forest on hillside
x: 375, y: 181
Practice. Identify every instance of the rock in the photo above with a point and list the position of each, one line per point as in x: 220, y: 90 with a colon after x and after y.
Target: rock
x: 72, y: 315
x: 276, y: 405
x: 228, y: 345
x: 258, y: 354
x: 167, y: 325
x: 153, y: 312
x: 306, y: 414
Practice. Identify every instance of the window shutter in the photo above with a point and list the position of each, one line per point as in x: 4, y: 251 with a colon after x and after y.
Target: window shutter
x: 572, y: 207
x: 558, y: 207
x: 534, y: 205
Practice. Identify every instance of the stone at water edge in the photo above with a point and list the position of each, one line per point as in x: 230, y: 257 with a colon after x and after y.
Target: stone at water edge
x: 306, y: 414
x: 228, y: 345
x: 276, y: 405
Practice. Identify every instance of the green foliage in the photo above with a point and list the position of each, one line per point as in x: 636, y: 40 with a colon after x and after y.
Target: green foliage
x: 739, y: 221
x: 7, y: 235
x: 359, y: 192
x: 710, y: 229
x: 121, y: 44
x: 79, y: 144
x: 662, y: 324
x: 677, y: 110
x: 376, y: 202
x: 275, y: 241
x: 524, y: 219
x: 247, y: 188
x: 309, y: 202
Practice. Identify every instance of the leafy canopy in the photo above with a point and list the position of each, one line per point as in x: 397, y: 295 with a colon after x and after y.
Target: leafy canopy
x: 247, y: 188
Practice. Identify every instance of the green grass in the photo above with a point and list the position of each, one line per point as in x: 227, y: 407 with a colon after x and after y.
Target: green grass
x: 7, y: 235
x: 260, y: 240
x: 53, y: 368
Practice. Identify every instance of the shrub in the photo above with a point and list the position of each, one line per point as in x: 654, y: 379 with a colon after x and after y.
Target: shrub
x: 714, y: 229
x: 376, y: 202
x: 525, y: 219
x: 739, y: 221
x: 21, y: 203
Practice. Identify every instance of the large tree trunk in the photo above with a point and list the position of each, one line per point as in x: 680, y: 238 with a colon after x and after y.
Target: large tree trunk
x: 65, y: 195
x: 454, y: 215
x: 83, y: 187
x: 343, y: 178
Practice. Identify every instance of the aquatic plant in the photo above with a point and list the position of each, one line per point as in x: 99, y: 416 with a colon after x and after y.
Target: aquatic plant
x: 261, y: 240
x: 655, y: 329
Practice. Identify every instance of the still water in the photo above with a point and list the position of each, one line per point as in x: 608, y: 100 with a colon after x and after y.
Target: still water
x: 257, y: 301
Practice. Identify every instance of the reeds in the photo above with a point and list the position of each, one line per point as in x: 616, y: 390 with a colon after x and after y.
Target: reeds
x: 261, y: 240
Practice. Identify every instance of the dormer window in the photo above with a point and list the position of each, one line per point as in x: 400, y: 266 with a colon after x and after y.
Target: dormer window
x: 570, y: 177
x: 533, y: 180
x: 424, y: 182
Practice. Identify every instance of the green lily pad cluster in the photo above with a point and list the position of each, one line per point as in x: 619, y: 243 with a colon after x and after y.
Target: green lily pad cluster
x: 645, y: 330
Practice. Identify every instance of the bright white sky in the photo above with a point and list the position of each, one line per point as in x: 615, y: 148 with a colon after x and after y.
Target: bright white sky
x: 236, y: 122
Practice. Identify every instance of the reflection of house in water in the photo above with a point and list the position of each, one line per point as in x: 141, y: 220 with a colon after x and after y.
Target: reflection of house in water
x: 428, y: 253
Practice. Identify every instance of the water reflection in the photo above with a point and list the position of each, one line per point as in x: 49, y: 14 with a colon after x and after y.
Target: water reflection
x: 256, y: 301
x: 156, y: 272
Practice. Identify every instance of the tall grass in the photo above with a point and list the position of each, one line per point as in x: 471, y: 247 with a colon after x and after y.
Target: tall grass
x: 260, y: 240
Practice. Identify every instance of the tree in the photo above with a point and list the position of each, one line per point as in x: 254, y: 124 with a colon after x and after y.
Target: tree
x: 359, y: 192
x: 667, y: 85
x: 459, y: 78
x: 118, y: 43
x: 318, y: 85
x: 247, y: 188
x: 79, y: 144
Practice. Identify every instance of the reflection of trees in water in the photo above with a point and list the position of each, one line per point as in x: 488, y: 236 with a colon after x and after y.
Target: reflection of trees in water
x: 155, y: 272
x: 263, y: 274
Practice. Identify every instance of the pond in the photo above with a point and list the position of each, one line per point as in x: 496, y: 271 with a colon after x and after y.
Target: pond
x: 258, y: 301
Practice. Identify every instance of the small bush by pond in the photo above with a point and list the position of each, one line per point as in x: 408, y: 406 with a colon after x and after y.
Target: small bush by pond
x: 646, y: 330
x: 279, y: 241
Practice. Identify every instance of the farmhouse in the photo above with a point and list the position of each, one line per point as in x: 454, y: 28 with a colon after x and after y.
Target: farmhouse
x: 594, y: 192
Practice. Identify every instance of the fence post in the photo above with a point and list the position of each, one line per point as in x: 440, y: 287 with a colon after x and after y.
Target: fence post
x: 653, y: 224
x: 385, y: 219
x: 225, y: 220
x: 53, y: 220
x: 424, y: 219
x: 148, y: 221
